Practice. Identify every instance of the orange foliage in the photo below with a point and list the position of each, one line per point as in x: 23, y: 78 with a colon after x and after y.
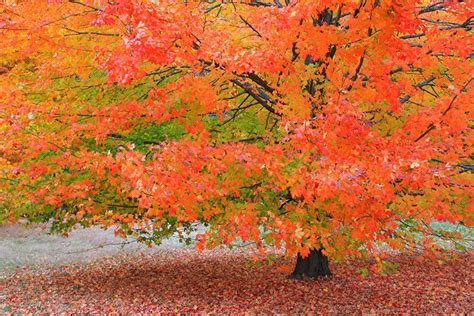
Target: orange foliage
x: 363, y: 110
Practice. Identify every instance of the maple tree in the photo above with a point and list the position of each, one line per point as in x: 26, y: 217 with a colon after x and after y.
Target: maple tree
x: 323, y: 127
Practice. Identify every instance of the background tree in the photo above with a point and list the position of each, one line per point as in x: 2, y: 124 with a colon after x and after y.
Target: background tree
x: 324, y: 127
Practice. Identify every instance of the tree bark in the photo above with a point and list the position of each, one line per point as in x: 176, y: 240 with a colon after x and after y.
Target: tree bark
x: 316, y: 264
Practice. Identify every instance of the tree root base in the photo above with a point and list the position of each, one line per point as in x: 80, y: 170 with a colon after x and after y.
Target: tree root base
x: 315, y: 265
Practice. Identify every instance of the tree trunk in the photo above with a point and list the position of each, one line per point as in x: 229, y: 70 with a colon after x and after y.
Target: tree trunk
x: 316, y: 264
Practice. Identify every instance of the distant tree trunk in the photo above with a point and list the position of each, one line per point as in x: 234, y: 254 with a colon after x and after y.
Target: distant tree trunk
x: 316, y: 264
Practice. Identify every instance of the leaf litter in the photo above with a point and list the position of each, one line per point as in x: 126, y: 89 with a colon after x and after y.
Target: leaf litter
x: 232, y: 282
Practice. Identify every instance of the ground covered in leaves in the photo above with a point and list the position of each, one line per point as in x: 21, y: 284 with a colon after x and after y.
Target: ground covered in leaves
x: 224, y: 281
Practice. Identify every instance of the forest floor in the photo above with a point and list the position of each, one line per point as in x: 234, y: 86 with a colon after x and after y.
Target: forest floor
x: 92, y: 272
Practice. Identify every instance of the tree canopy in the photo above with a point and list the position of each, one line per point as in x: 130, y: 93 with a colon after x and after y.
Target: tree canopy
x: 301, y: 124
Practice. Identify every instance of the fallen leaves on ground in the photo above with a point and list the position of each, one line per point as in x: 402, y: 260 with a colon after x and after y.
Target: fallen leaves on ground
x: 224, y: 281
